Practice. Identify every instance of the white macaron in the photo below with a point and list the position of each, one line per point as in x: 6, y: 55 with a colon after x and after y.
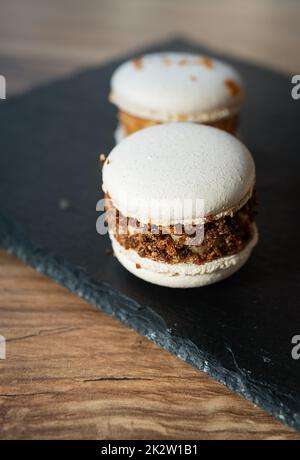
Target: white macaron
x: 187, y: 174
x: 173, y: 86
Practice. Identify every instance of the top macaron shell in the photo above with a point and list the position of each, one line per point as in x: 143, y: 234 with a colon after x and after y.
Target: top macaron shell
x: 155, y: 167
x: 177, y: 87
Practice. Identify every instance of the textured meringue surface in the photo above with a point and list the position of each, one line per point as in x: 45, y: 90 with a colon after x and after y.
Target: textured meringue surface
x: 179, y: 173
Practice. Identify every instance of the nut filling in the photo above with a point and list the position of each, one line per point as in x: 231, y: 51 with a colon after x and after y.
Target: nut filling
x: 223, y: 237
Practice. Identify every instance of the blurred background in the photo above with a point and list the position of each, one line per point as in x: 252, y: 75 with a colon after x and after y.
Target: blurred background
x: 45, y: 39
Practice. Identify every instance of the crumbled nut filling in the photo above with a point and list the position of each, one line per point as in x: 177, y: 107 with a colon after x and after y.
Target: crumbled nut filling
x: 183, y: 117
x: 223, y: 237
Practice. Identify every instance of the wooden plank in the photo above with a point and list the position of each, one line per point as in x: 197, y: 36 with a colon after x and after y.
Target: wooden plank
x: 73, y: 372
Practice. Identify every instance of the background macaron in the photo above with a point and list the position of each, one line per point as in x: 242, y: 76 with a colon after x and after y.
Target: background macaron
x: 164, y: 87
x: 149, y: 176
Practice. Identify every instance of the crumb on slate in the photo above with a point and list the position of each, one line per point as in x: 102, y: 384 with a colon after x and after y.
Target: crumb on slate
x: 63, y: 204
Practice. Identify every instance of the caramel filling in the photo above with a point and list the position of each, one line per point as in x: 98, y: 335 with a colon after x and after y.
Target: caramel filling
x: 131, y: 123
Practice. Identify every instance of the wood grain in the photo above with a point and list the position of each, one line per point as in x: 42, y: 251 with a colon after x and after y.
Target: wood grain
x: 72, y: 372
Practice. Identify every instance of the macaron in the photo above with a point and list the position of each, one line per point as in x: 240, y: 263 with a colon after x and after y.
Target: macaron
x: 163, y: 87
x: 180, y: 204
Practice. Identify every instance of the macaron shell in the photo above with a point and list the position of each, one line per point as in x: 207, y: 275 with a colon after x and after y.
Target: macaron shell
x: 177, y: 86
x: 151, y: 174
x: 170, y: 275
x: 119, y: 134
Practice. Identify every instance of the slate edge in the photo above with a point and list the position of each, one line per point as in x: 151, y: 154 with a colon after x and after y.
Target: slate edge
x: 274, y: 400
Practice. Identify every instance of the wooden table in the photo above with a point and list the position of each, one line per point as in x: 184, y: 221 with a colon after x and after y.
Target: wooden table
x: 72, y: 372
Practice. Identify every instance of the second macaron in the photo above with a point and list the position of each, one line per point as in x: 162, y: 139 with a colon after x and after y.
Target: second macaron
x: 172, y: 86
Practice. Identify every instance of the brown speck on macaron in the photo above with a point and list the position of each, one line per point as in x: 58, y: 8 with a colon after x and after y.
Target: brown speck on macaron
x: 107, y: 162
x: 183, y: 61
x: 138, y: 266
x: 137, y: 63
x: 193, y: 78
x: 166, y: 60
x: 232, y: 86
x: 206, y: 62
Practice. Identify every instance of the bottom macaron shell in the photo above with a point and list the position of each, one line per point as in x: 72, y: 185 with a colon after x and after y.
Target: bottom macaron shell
x: 182, y: 275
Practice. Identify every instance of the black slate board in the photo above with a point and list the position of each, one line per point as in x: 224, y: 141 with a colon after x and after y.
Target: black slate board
x: 239, y: 331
